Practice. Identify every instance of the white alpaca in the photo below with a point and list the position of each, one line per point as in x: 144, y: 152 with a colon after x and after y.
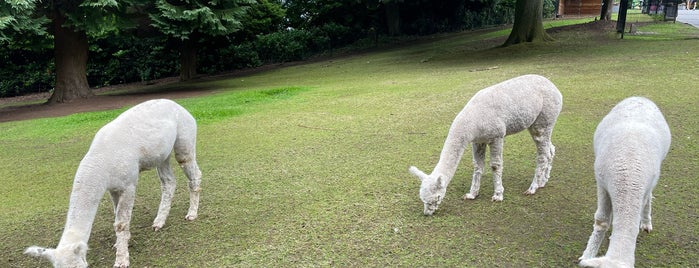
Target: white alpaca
x: 527, y: 102
x: 141, y: 138
x: 630, y: 144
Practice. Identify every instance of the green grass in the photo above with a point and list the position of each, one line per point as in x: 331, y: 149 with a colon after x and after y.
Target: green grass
x: 307, y: 165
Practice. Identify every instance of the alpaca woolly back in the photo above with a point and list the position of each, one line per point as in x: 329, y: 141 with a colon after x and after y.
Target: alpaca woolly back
x: 634, y: 121
x: 632, y: 140
x: 145, y: 132
x: 504, y: 108
x: 513, y: 105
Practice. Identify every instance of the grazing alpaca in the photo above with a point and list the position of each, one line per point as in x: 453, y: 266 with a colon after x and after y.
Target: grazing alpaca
x: 630, y: 144
x: 141, y: 138
x: 527, y: 102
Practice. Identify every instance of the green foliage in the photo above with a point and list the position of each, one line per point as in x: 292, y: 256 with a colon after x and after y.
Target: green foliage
x: 230, y: 34
x: 184, y: 18
x: 98, y: 18
x: 35, y: 67
x: 125, y: 58
x: 284, y: 46
x: 231, y: 57
x: 262, y: 18
x: 18, y: 19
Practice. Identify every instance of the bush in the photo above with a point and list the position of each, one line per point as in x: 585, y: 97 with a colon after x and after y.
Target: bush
x: 234, y: 56
x: 289, y: 45
x: 126, y: 59
x: 25, y: 71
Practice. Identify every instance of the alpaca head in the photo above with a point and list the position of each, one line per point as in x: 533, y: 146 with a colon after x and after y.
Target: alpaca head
x: 432, y: 190
x: 69, y: 256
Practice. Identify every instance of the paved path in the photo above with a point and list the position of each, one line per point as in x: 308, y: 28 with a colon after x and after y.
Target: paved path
x: 689, y: 16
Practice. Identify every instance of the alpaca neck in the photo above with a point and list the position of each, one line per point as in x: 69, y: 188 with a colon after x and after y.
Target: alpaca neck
x: 453, y: 150
x: 85, y: 198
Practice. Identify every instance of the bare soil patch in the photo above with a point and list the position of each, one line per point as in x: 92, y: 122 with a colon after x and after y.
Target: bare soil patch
x: 113, y: 97
x: 105, y: 99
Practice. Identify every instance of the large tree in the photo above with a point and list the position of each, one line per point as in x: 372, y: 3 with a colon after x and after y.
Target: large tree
x: 528, y: 25
x: 606, y: 11
x: 191, y: 20
x: 70, y: 23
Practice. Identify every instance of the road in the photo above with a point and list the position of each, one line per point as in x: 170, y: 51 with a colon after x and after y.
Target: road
x: 689, y: 16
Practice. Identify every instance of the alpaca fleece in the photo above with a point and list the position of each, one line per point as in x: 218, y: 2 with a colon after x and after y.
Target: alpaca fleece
x: 141, y: 138
x: 528, y: 102
x: 630, y: 144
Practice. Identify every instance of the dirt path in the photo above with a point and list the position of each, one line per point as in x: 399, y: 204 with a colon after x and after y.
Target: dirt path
x: 117, y: 96
x: 107, y: 98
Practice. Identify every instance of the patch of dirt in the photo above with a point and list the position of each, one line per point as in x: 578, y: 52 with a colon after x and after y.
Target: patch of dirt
x: 106, y: 98
x: 594, y: 26
x: 114, y: 97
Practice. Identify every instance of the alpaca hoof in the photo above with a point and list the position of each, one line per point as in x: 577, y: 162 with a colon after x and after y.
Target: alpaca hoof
x: 647, y: 227
x: 530, y: 191
x: 470, y: 196
x: 157, y: 227
x: 121, y: 264
x: 497, y: 197
x: 190, y: 217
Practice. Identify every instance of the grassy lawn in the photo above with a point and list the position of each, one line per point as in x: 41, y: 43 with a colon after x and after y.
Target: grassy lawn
x: 307, y: 165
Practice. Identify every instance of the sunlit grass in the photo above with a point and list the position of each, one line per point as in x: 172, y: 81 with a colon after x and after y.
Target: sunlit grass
x: 306, y: 166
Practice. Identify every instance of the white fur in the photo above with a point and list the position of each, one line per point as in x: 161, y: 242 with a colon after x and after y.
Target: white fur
x: 630, y: 144
x: 527, y: 102
x: 141, y: 138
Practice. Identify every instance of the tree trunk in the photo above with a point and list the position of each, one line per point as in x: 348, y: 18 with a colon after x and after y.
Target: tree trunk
x: 392, y: 18
x: 606, y: 12
x: 188, y: 59
x: 70, y: 52
x: 529, y: 25
x: 621, y: 21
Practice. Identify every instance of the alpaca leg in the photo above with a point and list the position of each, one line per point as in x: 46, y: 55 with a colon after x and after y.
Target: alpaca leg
x: 186, y: 157
x: 603, y: 219
x: 496, y: 166
x: 167, y: 188
x: 478, y: 164
x: 121, y: 226
x: 544, y: 158
x: 646, y: 223
x: 626, y: 214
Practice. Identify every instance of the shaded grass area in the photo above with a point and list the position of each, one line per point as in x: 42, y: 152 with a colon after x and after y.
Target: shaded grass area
x: 307, y: 165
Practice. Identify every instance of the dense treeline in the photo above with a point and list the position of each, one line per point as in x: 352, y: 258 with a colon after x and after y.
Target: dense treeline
x: 270, y: 32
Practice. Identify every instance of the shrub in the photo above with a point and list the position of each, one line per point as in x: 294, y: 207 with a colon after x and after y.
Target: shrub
x: 25, y: 71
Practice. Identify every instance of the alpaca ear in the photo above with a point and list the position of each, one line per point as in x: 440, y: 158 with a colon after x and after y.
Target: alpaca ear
x: 439, y: 184
x: 417, y: 173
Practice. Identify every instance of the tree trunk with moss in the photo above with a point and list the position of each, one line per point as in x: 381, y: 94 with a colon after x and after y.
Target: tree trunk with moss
x: 529, y: 25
